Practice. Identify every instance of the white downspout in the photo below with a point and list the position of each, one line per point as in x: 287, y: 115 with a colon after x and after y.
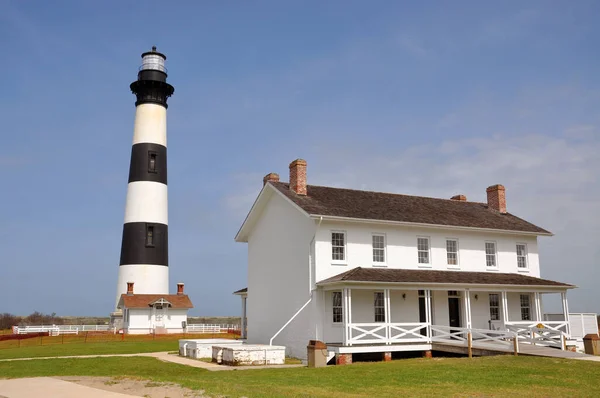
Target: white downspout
x: 310, y: 289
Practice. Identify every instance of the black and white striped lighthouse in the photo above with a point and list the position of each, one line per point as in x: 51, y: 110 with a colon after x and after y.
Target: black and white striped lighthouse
x: 145, y: 241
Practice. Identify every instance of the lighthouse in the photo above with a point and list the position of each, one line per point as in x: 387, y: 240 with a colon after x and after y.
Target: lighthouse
x: 144, y: 258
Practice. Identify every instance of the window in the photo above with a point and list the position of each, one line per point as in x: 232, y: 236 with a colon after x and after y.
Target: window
x: 452, y: 251
x: 338, y: 246
x: 149, y: 235
x: 423, y: 250
x: 378, y: 248
x: 152, y: 162
x: 490, y: 254
x: 379, y: 307
x: 338, y: 315
x: 525, y: 308
x: 494, y: 307
x: 521, y: 255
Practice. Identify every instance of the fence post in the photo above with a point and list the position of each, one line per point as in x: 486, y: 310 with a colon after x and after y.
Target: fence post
x: 516, y: 344
x: 41, y: 339
x: 470, y: 344
x: 85, y: 341
x: 63, y: 339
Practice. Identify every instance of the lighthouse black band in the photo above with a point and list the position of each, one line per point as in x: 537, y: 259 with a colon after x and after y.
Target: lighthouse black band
x: 138, y: 248
x: 151, y: 91
x: 148, y: 163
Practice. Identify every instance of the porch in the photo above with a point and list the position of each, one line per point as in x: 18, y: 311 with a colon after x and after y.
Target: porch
x: 358, y: 318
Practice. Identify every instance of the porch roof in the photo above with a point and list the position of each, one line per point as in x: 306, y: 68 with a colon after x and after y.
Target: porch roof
x: 418, y: 276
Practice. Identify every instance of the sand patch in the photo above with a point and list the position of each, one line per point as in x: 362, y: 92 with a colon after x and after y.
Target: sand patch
x: 140, y: 388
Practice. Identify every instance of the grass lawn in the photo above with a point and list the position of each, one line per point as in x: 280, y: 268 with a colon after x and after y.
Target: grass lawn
x: 488, y: 376
x: 114, y: 347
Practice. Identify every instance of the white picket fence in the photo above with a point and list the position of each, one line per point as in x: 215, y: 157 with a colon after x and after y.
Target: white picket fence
x: 208, y: 328
x: 56, y: 330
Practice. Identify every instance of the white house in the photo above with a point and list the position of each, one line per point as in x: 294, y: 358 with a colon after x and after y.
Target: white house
x: 379, y: 272
x: 154, y: 313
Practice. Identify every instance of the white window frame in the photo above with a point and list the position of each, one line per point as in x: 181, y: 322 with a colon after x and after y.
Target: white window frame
x: 497, y: 306
x: 379, y: 263
x: 428, y: 264
x: 457, y: 265
x: 340, y: 307
x: 495, y: 266
x: 526, y: 256
x: 528, y: 306
x: 375, y: 307
x: 345, y: 260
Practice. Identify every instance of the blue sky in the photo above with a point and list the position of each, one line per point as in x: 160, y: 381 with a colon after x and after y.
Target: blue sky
x: 434, y: 98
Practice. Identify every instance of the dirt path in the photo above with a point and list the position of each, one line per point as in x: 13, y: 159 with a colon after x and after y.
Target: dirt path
x: 139, y: 388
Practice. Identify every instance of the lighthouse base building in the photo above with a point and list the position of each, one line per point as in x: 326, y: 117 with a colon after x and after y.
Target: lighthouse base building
x: 154, y: 313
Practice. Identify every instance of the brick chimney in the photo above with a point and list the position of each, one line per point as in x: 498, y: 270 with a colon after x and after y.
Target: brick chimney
x: 298, y: 176
x: 129, y: 288
x: 180, y: 288
x: 461, y: 198
x: 496, y: 197
x: 274, y: 177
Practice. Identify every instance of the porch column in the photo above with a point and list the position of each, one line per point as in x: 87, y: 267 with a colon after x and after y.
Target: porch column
x: 467, y: 305
x: 538, y: 309
x: 386, y: 310
x: 349, y: 295
x: 504, y: 307
x: 345, y: 316
x: 565, y: 306
x: 428, y: 312
x: 244, y: 317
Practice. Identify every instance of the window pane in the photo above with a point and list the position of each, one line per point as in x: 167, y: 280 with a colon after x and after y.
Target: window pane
x: 452, y: 259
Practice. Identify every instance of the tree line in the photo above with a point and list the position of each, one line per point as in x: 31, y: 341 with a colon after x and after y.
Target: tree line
x: 7, y: 320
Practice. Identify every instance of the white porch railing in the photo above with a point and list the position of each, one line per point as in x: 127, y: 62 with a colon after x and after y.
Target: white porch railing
x: 210, y: 328
x: 386, y: 333
x: 441, y: 333
x: 550, y: 334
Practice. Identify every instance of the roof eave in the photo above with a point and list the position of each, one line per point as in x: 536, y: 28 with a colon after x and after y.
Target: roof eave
x: 470, y: 285
x: 425, y: 225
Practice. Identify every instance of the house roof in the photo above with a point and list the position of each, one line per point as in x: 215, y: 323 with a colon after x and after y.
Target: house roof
x: 387, y: 275
x: 146, y: 300
x: 350, y: 203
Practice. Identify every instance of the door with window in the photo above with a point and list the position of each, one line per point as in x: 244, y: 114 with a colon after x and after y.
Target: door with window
x: 454, y: 309
x: 159, y: 316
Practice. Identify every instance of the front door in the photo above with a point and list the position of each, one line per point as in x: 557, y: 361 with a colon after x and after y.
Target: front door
x: 422, y: 315
x: 454, y: 310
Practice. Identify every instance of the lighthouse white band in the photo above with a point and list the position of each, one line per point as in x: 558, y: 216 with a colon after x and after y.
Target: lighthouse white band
x: 147, y: 201
x: 148, y: 279
x: 150, y: 124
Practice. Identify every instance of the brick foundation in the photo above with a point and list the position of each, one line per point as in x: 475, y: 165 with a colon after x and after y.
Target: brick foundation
x: 387, y: 356
x: 427, y: 354
x: 343, y: 359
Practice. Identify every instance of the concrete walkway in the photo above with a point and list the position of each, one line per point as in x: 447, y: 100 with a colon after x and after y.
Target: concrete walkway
x: 166, y: 357
x: 36, y: 387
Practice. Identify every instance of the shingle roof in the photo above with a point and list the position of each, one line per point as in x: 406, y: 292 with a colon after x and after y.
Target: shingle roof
x: 340, y: 202
x: 146, y: 300
x: 388, y: 275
